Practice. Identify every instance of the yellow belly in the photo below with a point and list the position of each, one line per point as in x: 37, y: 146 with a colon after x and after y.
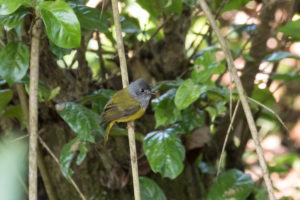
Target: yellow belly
x: 135, y: 116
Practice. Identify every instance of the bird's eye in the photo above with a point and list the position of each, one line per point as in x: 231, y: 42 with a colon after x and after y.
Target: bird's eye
x: 142, y: 90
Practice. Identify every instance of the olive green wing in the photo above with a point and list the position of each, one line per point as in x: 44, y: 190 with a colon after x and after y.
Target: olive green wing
x: 121, y: 105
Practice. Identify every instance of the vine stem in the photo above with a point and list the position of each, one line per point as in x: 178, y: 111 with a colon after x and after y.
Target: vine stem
x: 33, y: 109
x: 242, y: 97
x: 124, y: 74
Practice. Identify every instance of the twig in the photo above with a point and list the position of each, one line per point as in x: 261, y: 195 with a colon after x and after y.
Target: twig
x: 243, y: 98
x: 33, y: 108
x: 101, y: 61
x: 227, y: 136
x: 152, y: 36
x: 62, y: 167
x: 271, y: 111
x: 124, y: 74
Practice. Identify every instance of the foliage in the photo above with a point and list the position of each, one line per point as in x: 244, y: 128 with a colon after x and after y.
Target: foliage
x: 197, y: 97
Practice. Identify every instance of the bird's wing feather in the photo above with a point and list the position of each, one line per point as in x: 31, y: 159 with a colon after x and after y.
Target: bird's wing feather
x: 120, y: 107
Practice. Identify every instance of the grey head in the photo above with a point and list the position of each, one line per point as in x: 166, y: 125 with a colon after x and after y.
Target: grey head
x: 141, y: 91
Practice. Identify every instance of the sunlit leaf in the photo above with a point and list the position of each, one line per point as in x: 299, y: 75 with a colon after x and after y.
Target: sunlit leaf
x: 61, y: 23
x: 291, y: 29
x: 158, y: 7
x: 264, y: 96
x: 82, y: 121
x: 14, y: 19
x: 165, y: 109
x: 164, y: 152
x: 233, y: 184
x: 7, y: 7
x: 187, y: 93
x: 14, y: 61
x: 150, y: 190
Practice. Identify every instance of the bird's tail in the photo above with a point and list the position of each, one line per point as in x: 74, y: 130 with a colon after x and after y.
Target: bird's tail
x: 108, y: 130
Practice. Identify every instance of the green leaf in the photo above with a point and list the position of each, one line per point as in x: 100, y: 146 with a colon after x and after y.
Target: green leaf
x: 61, y: 23
x: 158, y: 7
x: 234, y: 4
x: 14, y: 61
x: 206, y: 65
x: 130, y: 25
x: 68, y: 153
x: 150, y: 190
x: 286, y: 77
x: 66, y: 156
x: 53, y: 93
x: 277, y: 56
x: 291, y: 29
x: 165, y: 85
x: 14, y: 112
x: 190, y: 3
x: 14, y: 19
x: 187, y: 93
x: 164, y: 152
x: 264, y: 96
x: 192, y: 118
x: 7, y: 7
x: 233, y: 184
x: 82, y: 121
x: 90, y: 18
x: 165, y: 110
x: 99, y: 99
x: 58, y: 51
x: 5, y: 97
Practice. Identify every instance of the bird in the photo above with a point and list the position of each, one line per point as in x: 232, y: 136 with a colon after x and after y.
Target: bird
x: 127, y: 104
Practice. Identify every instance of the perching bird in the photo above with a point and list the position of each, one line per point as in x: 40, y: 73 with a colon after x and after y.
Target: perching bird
x: 127, y: 104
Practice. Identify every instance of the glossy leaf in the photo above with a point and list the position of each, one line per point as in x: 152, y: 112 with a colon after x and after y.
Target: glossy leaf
x: 66, y: 156
x: 291, y: 29
x: 277, y: 56
x: 9, y: 6
x: 165, y: 110
x: 187, y: 93
x: 90, y: 18
x: 14, y: 61
x: 192, y: 118
x: 233, y: 184
x: 286, y: 77
x: 150, y: 190
x: 14, y: 19
x: 82, y: 121
x: 5, y: 97
x: 165, y: 152
x: 61, y: 23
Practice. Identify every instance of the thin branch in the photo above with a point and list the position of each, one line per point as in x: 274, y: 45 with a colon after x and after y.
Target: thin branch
x: 33, y: 108
x: 242, y: 96
x: 101, y: 61
x: 153, y: 35
x: 62, y: 167
x: 271, y: 111
x: 124, y: 74
x: 227, y: 136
